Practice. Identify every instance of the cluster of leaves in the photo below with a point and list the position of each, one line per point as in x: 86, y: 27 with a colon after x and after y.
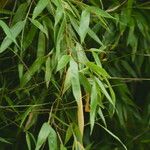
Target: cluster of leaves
x: 70, y: 74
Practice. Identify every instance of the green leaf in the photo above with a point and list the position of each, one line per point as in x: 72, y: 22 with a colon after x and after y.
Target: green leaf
x: 113, y: 136
x: 62, y: 147
x: 97, y: 59
x: 85, y: 83
x: 28, y: 39
x: 97, y: 69
x: 104, y: 91
x: 25, y: 115
x: 102, y: 116
x: 58, y: 15
x: 48, y: 72
x: 41, y: 5
x: 82, y: 58
x: 28, y: 141
x: 4, y: 141
x: 16, y: 29
x: 47, y: 132
x: 93, y: 35
x: 93, y: 105
x: 84, y: 24
x: 99, y: 12
x: 8, y: 31
x: 40, y: 26
x: 75, y: 80
x: 67, y: 82
x: 20, y: 70
x: 21, y: 10
x: 41, y: 45
x: 128, y: 68
x: 68, y: 134
x: 52, y: 139
x: 31, y: 71
x: 63, y: 62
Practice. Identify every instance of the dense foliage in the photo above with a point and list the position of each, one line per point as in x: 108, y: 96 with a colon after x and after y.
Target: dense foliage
x: 74, y: 74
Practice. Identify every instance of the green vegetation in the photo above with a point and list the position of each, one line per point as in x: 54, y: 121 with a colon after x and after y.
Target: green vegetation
x: 74, y: 75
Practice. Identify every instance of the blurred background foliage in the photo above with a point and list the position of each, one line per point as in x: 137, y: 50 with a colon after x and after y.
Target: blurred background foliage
x: 74, y: 74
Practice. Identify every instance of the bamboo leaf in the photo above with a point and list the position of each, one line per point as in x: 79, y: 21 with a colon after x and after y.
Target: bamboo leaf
x: 97, y: 69
x: 28, y: 141
x: 99, y: 12
x: 68, y: 134
x: 67, y: 82
x: 41, y: 5
x: 21, y: 10
x: 7, y: 31
x: 41, y: 45
x: 93, y: 35
x: 52, y: 139
x: 75, y: 80
x: 32, y: 70
x: 3, y: 140
x: 48, y: 72
x: 40, y: 26
x: 43, y: 135
x: 113, y: 135
x: 84, y: 24
x: 16, y: 29
x: 93, y: 105
x: 104, y: 91
x: 63, y: 62
x: 62, y: 147
x: 58, y: 15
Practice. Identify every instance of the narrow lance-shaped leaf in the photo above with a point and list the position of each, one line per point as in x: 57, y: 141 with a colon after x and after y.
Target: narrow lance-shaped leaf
x: 99, y: 12
x: 48, y: 72
x: 16, y: 29
x: 63, y: 62
x: 104, y: 91
x: 41, y: 45
x: 7, y: 31
x: 40, y: 26
x: 52, y: 139
x: 28, y: 140
x: 77, y: 93
x: 67, y: 82
x: 84, y: 24
x: 68, y: 134
x: 4, y: 141
x: 31, y: 71
x: 75, y: 80
x: 93, y: 35
x: 93, y: 105
x: 97, y: 69
x: 113, y: 135
x: 58, y: 15
x: 43, y: 135
x: 41, y: 5
x: 21, y: 10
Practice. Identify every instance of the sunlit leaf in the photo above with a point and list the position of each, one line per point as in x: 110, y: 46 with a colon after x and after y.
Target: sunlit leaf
x: 84, y: 24
x: 75, y: 80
